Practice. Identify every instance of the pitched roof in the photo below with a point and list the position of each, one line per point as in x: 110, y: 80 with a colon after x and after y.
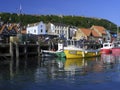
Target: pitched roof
x: 33, y: 24
x: 95, y: 34
x: 99, y: 28
x: 2, y: 28
x: 87, y: 32
x: 9, y: 28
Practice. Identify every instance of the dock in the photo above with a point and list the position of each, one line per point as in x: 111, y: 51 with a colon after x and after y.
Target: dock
x: 17, y: 50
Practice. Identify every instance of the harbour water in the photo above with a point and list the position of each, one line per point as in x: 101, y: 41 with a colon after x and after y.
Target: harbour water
x: 100, y: 73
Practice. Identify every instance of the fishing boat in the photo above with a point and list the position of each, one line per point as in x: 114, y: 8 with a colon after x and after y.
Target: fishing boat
x: 116, y: 42
x: 107, y: 48
x: 49, y: 53
x: 53, y: 53
x: 116, y: 48
x: 74, y: 50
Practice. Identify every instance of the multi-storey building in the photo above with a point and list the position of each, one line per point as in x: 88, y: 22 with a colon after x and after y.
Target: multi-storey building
x: 36, y: 28
x: 61, y: 30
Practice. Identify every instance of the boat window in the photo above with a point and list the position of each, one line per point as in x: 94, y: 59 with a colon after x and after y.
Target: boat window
x: 106, y: 45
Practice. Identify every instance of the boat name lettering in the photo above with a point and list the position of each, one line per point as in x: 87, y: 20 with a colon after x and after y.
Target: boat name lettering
x: 73, y: 52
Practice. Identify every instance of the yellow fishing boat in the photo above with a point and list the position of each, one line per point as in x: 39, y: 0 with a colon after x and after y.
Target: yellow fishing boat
x: 80, y: 53
x: 73, y: 51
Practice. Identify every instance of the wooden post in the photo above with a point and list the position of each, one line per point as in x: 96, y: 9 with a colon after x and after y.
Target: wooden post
x: 11, y: 50
x: 17, y: 50
x: 11, y: 69
x: 17, y: 56
x: 25, y: 49
x: 38, y: 49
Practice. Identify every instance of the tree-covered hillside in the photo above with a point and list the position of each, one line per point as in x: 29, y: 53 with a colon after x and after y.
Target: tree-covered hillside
x: 78, y: 21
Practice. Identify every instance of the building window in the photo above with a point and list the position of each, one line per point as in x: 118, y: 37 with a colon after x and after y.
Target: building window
x: 34, y: 31
x: 41, y: 30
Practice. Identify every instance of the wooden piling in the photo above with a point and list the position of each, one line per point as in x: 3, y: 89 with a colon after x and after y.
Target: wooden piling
x: 17, y: 50
x: 11, y: 50
x: 25, y: 50
x: 17, y: 55
x: 38, y: 49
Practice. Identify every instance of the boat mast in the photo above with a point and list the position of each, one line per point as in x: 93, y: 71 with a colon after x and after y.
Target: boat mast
x: 19, y: 14
x: 117, y: 32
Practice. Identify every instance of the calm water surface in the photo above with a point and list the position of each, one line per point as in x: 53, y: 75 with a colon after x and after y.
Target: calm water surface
x: 101, y: 73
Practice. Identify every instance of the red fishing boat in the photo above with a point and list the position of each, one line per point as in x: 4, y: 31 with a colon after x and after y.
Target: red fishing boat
x: 107, y: 48
x: 116, y: 48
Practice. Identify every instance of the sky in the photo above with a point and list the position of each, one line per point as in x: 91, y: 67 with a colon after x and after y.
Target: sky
x: 105, y: 9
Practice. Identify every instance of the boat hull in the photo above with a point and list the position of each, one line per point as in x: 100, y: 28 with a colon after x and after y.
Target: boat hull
x: 107, y: 48
x: 73, y: 54
x: 80, y: 53
x: 106, y: 51
x: 116, y: 51
x: 47, y: 53
x: 92, y: 54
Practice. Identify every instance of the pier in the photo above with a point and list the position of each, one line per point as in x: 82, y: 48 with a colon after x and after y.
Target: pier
x: 17, y: 50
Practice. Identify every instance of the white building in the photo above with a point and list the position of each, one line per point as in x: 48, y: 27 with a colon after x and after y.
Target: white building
x: 61, y: 29
x: 50, y: 29
x: 36, y: 28
x: 72, y: 32
x: 58, y: 29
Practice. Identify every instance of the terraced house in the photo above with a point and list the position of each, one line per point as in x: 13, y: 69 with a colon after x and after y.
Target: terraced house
x: 61, y: 30
x: 94, y: 33
x: 100, y: 30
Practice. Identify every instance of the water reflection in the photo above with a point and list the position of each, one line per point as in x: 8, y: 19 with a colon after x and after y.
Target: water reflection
x: 55, y: 66
x: 108, y: 61
x: 108, y: 58
x: 44, y: 71
x: 74, y: 64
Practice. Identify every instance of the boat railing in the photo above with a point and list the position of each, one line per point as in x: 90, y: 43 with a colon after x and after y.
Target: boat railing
x: 117, y: 44
x: 83, y: 44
